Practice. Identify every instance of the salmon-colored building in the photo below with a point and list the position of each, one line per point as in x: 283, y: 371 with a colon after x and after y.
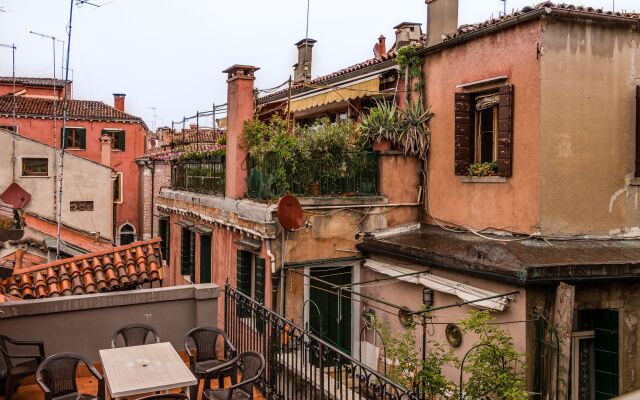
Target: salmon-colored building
x: 88, y: 122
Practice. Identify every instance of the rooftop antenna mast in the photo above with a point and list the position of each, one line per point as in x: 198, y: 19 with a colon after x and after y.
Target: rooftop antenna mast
x: 308, y: 8
x: 15, y: 127
x: 65, y: 107
x: 55, y: 111
x: 505, y: 6
x: 155, y: 117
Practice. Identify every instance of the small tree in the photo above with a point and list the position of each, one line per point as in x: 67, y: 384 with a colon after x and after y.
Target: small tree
x: 495, y: 369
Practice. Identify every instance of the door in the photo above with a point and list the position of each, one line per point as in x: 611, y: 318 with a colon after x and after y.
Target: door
x: 205, y: 259
x: 333, y: 322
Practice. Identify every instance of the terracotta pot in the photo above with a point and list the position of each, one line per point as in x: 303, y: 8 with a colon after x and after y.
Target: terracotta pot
x: 314, y: 189
x: 382, y: 145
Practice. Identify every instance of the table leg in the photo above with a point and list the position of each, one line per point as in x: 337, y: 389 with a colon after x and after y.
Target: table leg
x: 187, y: 391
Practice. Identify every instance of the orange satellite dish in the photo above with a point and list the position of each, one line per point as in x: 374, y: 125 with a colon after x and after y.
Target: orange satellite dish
x: 290, y: 213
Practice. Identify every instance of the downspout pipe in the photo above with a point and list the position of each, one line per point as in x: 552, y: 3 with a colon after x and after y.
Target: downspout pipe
x: 274, y: 276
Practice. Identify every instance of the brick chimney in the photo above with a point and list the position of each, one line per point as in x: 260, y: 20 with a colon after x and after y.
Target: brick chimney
x: 118, y: 101
x: 442, y: 19
x: 382, y: 45
x: 302, y: 69
x: 407, y: 33
x: 239, y: 109
x: 105, y: 149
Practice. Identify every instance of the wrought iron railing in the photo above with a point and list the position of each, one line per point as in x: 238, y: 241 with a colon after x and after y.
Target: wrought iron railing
x: 299, y: 364
x: 344, y: 174
x: 201, y: 176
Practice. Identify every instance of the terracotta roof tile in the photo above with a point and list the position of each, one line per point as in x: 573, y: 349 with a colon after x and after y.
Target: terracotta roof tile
x: 119, y: 268
x: 577, y: 10
x: 76, y: 109
x: 28, y: 81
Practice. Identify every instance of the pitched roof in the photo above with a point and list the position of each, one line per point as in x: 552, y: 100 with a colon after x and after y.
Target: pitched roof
x: 547, y: 7
x: 76, y: 109
x: 29, y: 81
x: 72, y: 236
x: 119, y: 268
x: 325, y: 79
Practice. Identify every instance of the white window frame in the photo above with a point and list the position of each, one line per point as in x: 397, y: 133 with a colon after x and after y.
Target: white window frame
x: 121, y: 191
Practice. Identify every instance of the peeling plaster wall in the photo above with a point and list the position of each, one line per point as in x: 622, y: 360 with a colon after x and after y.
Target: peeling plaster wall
x: 589, y: 74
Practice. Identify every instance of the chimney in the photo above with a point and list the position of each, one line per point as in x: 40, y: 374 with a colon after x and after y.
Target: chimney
x: 407, y: 33
x: 442, y: 20
x: 105, y: 149
x: 239, y: 110
x: 380, y: 49
x: 18, y: 260
x: 302, y: 70
x: 118, y: 101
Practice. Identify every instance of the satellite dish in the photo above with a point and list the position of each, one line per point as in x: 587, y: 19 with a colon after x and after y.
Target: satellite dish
x: 290, y: 213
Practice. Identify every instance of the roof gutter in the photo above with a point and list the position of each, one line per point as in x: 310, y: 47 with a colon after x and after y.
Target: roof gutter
x: 520, y: 19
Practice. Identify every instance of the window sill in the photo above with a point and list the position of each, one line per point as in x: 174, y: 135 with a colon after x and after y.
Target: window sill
x: 483, y: 179
x: 635, y: 182
x: 74, y: 149
x: 35, y: 176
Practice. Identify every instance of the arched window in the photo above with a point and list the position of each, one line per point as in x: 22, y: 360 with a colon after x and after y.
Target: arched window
x: 127, y: 234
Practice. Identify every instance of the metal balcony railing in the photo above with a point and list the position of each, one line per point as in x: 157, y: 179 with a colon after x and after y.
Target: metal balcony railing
x: 201, y: 176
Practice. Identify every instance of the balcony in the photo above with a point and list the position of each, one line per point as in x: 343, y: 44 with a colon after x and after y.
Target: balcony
x: 347, y: 174
x: 199, y: 176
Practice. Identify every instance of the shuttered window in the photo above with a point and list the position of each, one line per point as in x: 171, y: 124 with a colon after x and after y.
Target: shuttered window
x: 117, y: 136
x: 243, y: 272
x: 484, y: 130
x: 74, y: 138
x: 187, y: 250
x: 164, y: 232
x: 260, y: 279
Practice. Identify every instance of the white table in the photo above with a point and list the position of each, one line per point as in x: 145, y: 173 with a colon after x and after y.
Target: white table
x: 143, y: 369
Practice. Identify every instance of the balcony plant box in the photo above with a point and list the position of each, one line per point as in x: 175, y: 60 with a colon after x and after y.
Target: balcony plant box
x: 381, y: 145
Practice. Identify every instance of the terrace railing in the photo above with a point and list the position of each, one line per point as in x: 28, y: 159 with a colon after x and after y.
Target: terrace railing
x: 301, y: 365
x: 200, y: 176
x: 344, y: 174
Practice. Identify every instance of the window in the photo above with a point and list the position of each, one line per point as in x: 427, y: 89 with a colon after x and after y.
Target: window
x: 484, y: 130
x: 10, y: 128
x: 250, y: 277
x: 117, y: 136
x: 81, y: 206
x: 205, y: 259
x: 127, y: 234
x: 75, y: 138
x: 165, y: 233
x: 35, y: 167
x: 187, y: 254
x: 117, y: 188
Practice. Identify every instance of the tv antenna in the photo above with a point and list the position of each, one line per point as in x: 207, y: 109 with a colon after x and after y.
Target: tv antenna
x: 13, y: 74
x: 155, y: 117
x: 55, y: 113
x: 308, y: 8
x: 504, y: 7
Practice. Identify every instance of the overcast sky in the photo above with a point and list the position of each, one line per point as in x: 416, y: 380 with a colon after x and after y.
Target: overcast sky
x: 169, y: 54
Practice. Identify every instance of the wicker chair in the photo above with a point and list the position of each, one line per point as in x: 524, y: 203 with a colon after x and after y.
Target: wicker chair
x: 205, y: 357
x: 134, y: 335
x: 166, y: 396
x: 57, y: 377
x: 18, y: 370
x: 252, y: 365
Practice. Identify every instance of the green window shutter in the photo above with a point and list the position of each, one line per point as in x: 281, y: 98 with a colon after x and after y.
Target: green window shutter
x: 82, y: 133
x: 243, y: 272
x: 121, y: 140
x: 185, y: 252
x: 192, y: 257
x: 63, y: 142
x: 260, y: 279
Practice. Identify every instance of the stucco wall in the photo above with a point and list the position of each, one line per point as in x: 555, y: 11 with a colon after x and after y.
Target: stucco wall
x: 589, y: 72
x: 512, y: 205
x: 41, y: 130
x: 84, y: 180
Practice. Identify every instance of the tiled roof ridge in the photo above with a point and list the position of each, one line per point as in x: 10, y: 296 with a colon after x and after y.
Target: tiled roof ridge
x: 79, y: 231
x: 469, y: 28
x: 84, y: 257
x: 88, y: 109
x: 33, y: 81
x: 391, y: 55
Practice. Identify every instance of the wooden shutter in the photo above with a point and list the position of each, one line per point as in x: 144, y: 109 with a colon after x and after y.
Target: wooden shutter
x: 260, y: 279
x: 82, y: 136
x: 120, y: 138
x: 637, y: 131
x: 243, y: 272
x: 185, y: 253
x: 505, y: 131
x: 463, y: 133
x: 63, y: 143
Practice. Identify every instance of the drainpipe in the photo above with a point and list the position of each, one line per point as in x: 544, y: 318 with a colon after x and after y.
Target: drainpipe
x: 282, y: 276
x: 274, y: 287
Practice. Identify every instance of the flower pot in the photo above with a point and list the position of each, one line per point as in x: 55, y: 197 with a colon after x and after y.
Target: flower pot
x: 314, y: 189
x: 382, y: 145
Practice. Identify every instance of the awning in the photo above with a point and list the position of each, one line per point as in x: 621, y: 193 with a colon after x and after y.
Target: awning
x: 460, y: 290
x: 333, y: 95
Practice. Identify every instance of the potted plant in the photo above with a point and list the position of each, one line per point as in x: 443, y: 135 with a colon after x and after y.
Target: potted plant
x: 380, y: 126
x: 483, y: 169
x: 415, y: 136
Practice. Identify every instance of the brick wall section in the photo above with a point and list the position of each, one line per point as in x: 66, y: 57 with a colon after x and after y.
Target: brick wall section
x: 161, y: 179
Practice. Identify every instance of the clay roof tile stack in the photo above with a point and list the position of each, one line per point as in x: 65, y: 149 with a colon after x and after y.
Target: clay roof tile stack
x: 119, y: 268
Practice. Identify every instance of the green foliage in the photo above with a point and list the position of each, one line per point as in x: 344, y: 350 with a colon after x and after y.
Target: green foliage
x: 483, y: 169
x: 407, y: 59
x: 202, y: 155
x: 495, y: 369
x: 222, y: 140
x: 382, y: 122
x: 415, y: 137
x: 409, y: 370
